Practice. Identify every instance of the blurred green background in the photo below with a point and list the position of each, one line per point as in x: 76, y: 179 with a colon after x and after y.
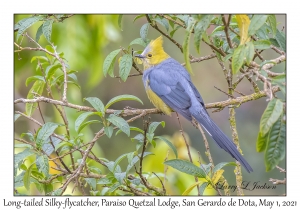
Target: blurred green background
x: 87, y: 39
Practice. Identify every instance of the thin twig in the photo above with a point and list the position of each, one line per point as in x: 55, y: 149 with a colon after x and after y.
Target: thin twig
x: 277, y: 181
x: 226, y: 30
x: 188, y: 149
x: 203, y: 58
x: 281, y: 169
x: 224, y: 92
x: 162, y: 184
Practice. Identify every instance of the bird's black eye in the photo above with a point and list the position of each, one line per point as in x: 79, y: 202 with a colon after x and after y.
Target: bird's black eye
x: 149, y: 55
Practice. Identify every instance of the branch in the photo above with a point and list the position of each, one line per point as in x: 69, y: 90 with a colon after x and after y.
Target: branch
x: 226, y: 30
x: 77, y: 172
x: 203, y: 58
x: 277, y: 181
x: 129, y: 112
x: 55, y: 55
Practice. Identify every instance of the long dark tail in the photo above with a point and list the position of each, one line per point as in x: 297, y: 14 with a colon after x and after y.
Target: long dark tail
x: 221, y: 139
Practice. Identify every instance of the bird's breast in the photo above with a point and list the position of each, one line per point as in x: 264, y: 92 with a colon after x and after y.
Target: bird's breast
x: 156, y: 101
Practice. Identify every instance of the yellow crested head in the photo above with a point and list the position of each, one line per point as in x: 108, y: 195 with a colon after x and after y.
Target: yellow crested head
x: 154, y: 53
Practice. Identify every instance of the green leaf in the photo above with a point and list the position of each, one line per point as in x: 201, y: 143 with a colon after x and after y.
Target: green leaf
x: 95, y: 169
x: 49, y: 188
x: 82, y: 118
x: 74, y: 83
x: 125, y: 66
x: 227, y: 57
x: 118, y: 160
x: 23, y: 146
x: 221, y: 165
x: 136, y: 159
x: 38, y: 88
x: 140, y: 41
x: 132, y: 163
x: 140, y: 137
x: 43, y: 134
x: 270, y: 115
x: 43, y: 58
x: 257, y: 21
x: 39, y: 33
x: 150, y: 138
x: 39, y: 186
x: 114, y: 187
x: 26, y: 178
x: 173, y: 31
x: 280, y: 38
x: 153, y: 126
x: 249, y: 52
x: 50, y: 70
x: 206, y: 167
x: 137, y: 17
x: 42, y: 164
x: 144, y: 31
x: 122, y: 98
x: 281, y: 82
x: 275, y: 149
x: 200, y: 28
x: 261, y: 142
x: 190, y: 188
x: 169, y: 144
x: 83, y: 125
x: 108, y: 64
x: 63, y: 144
x: 23, y: 25
x: 19, y: 24
x: 47, y: 29
x: 203, y: 187
x: 274, y: 42
x: 56, y: 192
x: 92, y: 182
x: 184, y: 18
x: 104, y: 181
x: 238, y: 58
x: 136, y: 181
x: 34, y: 78
x: 186, y: 167
x: 48, y: 146
x: 120, y: 18
x: 97, y: 104
x: 273, y: 24
x: 186, y: 44
x: 73, y: 76
x: 262, y: 44
x: 120, y: 123
x: 163, y: 22
x: 30, y: 135
x: 22, y: 155
x: 17, y: 117
x: 18, y: 180
x: 217, y: 29
x: 279, y: 79
x: 108, y: 131
x: 132, y: 129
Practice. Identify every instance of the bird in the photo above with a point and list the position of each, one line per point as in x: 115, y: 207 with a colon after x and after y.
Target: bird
x: 169, y: 87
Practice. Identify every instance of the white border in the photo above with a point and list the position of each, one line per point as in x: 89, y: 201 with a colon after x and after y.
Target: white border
x: 8, y: 8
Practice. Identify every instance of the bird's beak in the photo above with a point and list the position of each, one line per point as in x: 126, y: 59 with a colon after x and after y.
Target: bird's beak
x: 140, y: 56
